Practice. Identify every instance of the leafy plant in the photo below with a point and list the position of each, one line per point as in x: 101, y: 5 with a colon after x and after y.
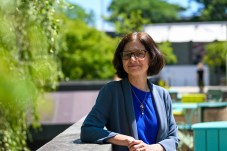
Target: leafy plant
x: 215, y: 54
x: 130, y: 22
x: 88, y: 52
x: 156, y: 10
x: 212, y: 10
x: 167, y: 49
x: 28, y: 66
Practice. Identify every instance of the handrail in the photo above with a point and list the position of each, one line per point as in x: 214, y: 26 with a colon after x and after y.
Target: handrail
x: 69, y: 140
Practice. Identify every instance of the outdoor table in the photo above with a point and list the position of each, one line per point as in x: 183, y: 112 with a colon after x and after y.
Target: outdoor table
x: 193, y: 107
x: 206, y: 105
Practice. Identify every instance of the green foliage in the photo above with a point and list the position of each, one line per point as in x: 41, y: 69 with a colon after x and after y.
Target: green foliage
x: 17, y: 92
x: 167, y: 50
x: 204, y: 2
x: 76, y: 12
x: 126, y: 12
x: 215, y: 11
x: 88, y: 53
x: 130, y: 22
x: 215, y: 55
x: 28, y: 66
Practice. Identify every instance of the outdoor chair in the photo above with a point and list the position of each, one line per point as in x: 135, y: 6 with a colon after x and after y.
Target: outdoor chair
x: 214, y: 95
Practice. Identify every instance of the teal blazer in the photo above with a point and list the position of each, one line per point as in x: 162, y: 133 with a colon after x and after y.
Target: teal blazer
x: 114, y: 111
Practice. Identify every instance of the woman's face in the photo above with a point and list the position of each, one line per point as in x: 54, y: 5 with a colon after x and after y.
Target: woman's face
x: 135, y: 59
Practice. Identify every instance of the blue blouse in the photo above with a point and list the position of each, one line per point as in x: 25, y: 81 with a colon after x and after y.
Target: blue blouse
x: 147, y: 123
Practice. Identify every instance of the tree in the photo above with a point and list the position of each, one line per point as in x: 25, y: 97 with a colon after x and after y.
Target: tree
x: 216, y: 54
x: 213, y: 10
x: 130, y: 22
x: 167, y: 50
x: 215, y: 57
x: 28, y: 66
x: 88, y: 52
x: 75, y: 12
x: 155, y: 11
x: 206, y: 3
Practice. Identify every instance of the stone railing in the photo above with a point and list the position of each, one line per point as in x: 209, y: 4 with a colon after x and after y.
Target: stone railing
x: 69, y: 140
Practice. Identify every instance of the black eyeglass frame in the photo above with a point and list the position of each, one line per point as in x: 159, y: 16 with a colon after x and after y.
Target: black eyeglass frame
x: 137, y: 54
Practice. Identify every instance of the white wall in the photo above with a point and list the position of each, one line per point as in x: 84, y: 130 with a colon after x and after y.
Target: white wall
x: 188, y: 31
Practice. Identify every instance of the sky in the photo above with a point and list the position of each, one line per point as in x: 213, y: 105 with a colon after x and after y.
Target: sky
x: 100, y: 8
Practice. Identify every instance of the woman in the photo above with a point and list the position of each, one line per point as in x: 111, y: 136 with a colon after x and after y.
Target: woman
x: 200, y: 79
x: 136, y: 113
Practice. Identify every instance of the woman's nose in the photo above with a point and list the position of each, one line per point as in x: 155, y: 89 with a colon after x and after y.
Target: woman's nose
x: 133, y: 57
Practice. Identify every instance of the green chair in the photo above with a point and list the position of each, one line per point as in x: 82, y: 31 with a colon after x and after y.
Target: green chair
x: 214, y: 96
x: 174, y: 95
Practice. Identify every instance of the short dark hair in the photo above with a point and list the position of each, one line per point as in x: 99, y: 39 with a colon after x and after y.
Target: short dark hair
x: 156, y: 63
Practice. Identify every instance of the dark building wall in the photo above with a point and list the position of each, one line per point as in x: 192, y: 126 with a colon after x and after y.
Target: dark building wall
x: 183, y: 53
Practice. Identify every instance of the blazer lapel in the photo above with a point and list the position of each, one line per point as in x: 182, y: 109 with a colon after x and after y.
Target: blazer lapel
x: 160, y: 108
x: 129, y: 107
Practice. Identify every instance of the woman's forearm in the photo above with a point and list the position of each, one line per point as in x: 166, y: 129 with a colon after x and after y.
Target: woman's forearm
x: 122, y: 140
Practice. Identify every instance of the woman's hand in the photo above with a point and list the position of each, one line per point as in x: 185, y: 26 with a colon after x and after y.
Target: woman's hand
x: 138, y: 145
x: 122, y: 140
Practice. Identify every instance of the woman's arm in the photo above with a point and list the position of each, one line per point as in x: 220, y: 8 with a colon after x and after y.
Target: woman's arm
x: 92, y: 130
x: 120, y: 139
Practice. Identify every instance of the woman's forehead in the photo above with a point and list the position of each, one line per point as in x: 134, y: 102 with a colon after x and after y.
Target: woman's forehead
x: 135, y: 44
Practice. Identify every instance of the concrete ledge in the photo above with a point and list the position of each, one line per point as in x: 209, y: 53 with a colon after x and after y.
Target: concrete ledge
x: 69, y: 140
x: 81, y: 85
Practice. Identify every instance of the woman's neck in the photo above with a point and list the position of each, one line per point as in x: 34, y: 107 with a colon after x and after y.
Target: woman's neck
x: 139, y: 82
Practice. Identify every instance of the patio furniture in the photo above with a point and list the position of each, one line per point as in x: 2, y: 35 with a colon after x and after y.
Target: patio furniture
x: 190, y: 109
x: 214, y: 95
x: 210, y: 136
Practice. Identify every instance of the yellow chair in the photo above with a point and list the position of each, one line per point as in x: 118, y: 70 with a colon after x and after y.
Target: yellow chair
x: 193, y: 98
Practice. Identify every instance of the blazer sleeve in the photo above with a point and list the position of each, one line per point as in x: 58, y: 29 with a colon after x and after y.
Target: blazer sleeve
x: 92, y: 129
x: 171, y: 142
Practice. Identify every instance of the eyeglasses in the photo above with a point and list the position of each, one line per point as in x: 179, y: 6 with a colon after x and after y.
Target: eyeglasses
x: 138, y: 54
